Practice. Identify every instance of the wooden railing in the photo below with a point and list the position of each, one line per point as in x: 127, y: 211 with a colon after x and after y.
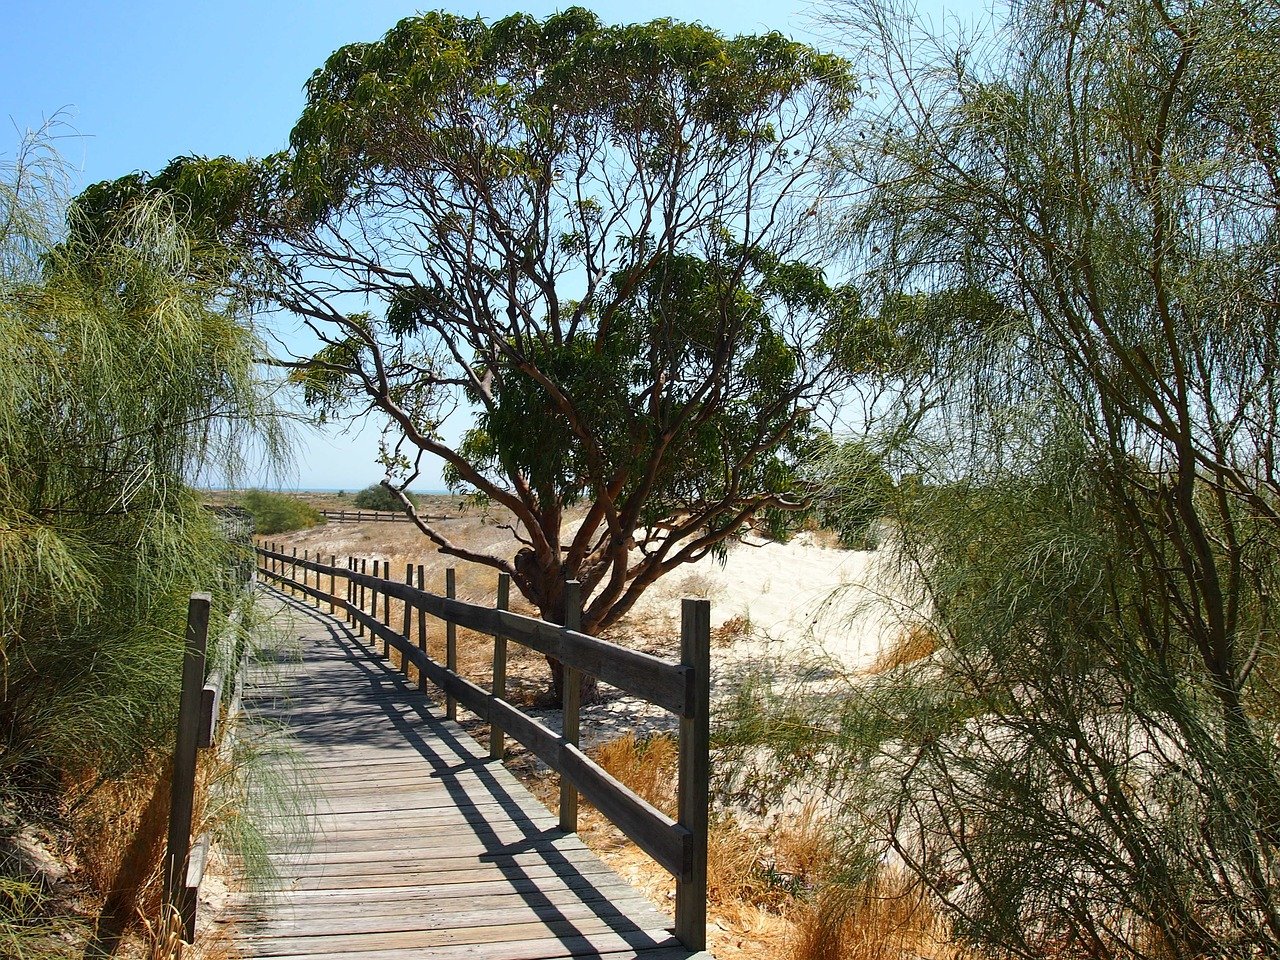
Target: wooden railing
x: 678, y: 845
x: 199, y: 711
x: 381, y: 516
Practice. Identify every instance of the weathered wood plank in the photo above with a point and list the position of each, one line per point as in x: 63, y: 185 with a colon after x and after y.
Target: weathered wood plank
x: 422, y: 845
x: 593, y: 936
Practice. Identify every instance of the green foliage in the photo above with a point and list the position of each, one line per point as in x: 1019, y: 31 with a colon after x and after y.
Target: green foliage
x: 279, y: 512
x: 593, y: 237
x: 26, y: 930
x: 377, y: 497
x: 126, y: 375
x: 1073, y: 228
x: 669, y: 329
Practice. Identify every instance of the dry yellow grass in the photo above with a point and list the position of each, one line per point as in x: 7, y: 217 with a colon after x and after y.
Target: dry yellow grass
x: 646, y: 766
x: 887, y: 918
x: 737, y: 627
x: 120, y: 828
x: 805, y: 848
x: 915, y: 643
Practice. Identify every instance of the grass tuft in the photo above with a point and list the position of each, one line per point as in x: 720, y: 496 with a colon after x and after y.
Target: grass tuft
x: 646, y: 765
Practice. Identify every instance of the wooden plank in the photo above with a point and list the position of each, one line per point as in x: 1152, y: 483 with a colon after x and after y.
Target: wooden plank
x: 451, y: 643
x: 497, y: 739
x: 358, y: 852
x: 593, y: 936
x: 358, y: 898
x: 424, y: 847
x: 182, y: 794
x: 541, y: 949
x: 695, y: 775
x: 571, y: 708
x: 210, y: 696
x: 337, y: 917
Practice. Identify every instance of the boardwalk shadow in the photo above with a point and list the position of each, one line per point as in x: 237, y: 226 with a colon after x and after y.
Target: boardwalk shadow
x: 346, y: 708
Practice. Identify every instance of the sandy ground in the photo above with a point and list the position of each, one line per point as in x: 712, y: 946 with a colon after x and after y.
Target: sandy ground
x: 775, y: 606
x: 780, y: 605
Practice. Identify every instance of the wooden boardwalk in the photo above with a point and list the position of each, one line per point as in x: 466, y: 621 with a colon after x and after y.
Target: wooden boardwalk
x: 422, y: 847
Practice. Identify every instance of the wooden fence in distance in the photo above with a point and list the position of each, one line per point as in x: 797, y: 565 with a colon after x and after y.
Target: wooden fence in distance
x: 379, y: 516
x: 679, y: 845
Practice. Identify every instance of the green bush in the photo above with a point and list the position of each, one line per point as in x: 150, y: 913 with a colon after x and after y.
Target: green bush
x: 279, y: 512
x: 377, y: 497
x: 126, y: 372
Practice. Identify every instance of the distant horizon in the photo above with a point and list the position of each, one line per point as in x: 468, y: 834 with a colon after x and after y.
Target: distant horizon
x: 214, y: 488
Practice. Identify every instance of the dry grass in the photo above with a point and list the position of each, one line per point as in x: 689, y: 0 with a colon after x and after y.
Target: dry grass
x: 647, y: 766
x: 805, y: 848
x: 121, y: 831
x: 737, y: 627
x: 887, y: 918
x: 121, y: 828
x: 916, y: 642
x: 698, y: 584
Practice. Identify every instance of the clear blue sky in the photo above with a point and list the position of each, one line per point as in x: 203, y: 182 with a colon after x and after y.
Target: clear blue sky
x: 142, y: 82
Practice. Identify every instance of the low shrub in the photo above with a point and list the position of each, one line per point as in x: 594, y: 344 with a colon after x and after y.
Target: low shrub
x: 279, y: 512
x: 377, y: 497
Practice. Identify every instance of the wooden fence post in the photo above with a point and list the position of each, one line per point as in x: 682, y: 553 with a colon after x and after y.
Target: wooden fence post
x: 306, y: 580
x: 572, y: 706
x: 182, y: 792
x: 422, y: 627
x: 408, y: 620
x: 450, y: 642
x: 364, y: 568
x: 695, y: 773
x: 293, y: 574
x: 333, y: 564
x: 497, y: 738
x: 386, y: 606
x: 373, y: 595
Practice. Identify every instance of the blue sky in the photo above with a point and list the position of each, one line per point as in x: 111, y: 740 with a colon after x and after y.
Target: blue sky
x: 141, y: 82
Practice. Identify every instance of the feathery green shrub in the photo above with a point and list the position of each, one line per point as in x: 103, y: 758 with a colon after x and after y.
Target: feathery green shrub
x: 128, y: 372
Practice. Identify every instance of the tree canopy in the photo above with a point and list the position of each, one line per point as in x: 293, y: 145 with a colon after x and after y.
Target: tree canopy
x: 599, y: 239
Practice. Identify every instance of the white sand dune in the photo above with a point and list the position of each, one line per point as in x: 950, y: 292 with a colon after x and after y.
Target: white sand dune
x: 799, y: 599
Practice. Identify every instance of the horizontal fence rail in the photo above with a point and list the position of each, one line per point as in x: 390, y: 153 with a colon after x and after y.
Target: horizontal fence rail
x: 678, y: 845
x: 380, y: 516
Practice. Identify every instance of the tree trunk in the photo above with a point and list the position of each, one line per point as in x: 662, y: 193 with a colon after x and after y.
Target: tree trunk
x: 589, y: 687
x: 546, y: 590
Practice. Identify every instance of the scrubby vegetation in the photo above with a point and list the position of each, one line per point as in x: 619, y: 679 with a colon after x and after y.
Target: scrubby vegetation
x: 377, y: 497
x: 1075, y: 752
x: 126, y: 371
x: 278, y: 512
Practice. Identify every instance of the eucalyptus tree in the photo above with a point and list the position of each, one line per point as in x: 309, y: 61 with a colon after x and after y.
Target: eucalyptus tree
x: 1075, y: 219
x: 598, y: 240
